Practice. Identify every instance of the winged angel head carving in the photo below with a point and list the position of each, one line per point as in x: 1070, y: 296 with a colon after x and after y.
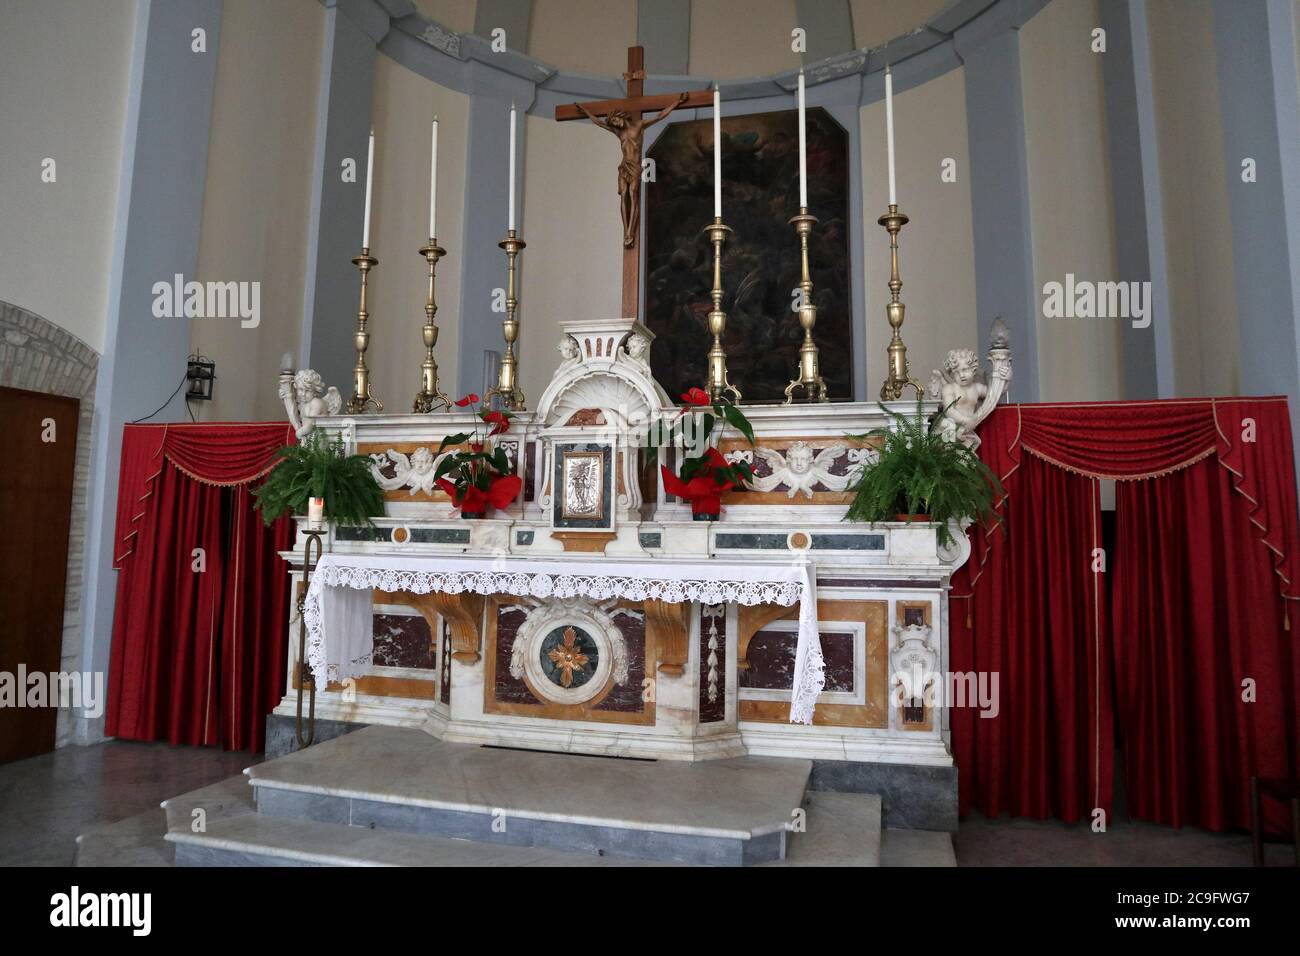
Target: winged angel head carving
x: 414, y: 471
x: 801, y: 468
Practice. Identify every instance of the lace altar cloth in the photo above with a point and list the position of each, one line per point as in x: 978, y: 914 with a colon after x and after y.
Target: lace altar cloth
x: 338, y: 606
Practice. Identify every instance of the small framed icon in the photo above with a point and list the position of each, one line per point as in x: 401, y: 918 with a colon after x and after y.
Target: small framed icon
x: 582, y: 486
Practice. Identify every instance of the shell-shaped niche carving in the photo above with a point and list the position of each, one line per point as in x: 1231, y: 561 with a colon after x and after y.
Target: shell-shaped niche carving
x: 612, y: 375
x: 609, y: 393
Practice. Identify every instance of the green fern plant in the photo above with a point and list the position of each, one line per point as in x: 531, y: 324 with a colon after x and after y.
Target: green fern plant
x: 318, y: 468
x: 921, y: 472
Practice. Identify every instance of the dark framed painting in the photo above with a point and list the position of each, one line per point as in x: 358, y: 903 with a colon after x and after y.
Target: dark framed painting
x: 760, y: 261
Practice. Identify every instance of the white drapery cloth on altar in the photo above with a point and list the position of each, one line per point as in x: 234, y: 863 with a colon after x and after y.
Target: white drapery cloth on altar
x: 338, y: 607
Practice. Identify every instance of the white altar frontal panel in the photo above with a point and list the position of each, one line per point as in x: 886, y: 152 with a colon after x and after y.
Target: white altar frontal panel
x: 780, y: 629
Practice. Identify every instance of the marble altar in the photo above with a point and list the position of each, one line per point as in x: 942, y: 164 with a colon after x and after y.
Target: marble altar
x: 688, y: 676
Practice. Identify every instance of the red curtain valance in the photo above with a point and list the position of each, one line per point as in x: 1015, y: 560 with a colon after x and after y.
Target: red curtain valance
x: 1129, y: 441
x: 1120, y: 440
x: 219, y: 453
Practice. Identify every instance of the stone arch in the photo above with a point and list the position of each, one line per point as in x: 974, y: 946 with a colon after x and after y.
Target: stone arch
x: 39, y: 356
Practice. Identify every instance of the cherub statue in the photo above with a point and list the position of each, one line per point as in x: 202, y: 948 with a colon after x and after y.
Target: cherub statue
x: 960, y: 389
x: 637, y: 347
x: 568, y: 348
x: 306, y: 398
x: 965, y: 396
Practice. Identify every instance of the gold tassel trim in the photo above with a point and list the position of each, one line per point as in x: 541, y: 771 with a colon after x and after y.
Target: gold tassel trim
x: 1198, y: 457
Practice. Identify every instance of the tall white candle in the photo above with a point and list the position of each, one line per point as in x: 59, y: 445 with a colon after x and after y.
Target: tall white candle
x: 433, y: 182
x: 370, y: 178
x: 889, y: 133
x: 717, y: 154
x: 511, y: 225
x: 803, y: 148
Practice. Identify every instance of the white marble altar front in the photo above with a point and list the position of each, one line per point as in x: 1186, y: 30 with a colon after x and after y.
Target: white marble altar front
x: 678, y: 679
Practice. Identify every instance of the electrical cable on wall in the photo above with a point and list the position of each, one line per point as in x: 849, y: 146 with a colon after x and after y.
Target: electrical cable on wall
x: 185, y: 378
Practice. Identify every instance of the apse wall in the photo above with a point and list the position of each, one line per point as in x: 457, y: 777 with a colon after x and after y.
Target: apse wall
x: 257, y: 190
x: 256, y: 201
x: 64, y: 74
x: 1193, y: 176
x: 583, y: 36
x: 573, y: 265
x: 879, y: 21
x: 405, y: 104
x: 455, y: 15
x: 568, y: 178
x: 1079, y: 359
x: 734, y: 39
x: 729, y: 39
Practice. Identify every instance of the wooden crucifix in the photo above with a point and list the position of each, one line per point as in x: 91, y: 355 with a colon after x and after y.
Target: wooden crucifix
x: 623, y: 118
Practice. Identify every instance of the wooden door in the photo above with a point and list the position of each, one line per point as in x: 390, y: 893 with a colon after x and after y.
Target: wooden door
x: 39, y: 435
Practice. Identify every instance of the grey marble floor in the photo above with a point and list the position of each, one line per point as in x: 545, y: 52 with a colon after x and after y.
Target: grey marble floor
x: 46, y: 801
x: 1007, y: 842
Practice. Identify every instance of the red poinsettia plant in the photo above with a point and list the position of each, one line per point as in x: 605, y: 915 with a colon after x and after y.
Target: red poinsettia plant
x: 478, y: 476
x: 703, y: 478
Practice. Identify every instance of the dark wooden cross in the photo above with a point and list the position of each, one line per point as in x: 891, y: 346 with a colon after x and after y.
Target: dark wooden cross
x: 623, y: 118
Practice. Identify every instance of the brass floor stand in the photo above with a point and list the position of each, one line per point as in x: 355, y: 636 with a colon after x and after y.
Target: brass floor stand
x: 305, y: 676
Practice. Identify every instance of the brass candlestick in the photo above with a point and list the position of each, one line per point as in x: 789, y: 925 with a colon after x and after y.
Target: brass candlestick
x: 810, y: 378
x: 718, y: 382
x: 430, y: 397
x: 361, y: 395
x: 898, y: 378
x: 507, y: 386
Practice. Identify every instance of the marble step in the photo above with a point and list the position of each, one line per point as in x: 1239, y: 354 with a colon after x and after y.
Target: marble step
x: 720, y: 812
x: 141, y: 840
x: 841, y: 830
x: 136, y: 841
x: 231, y: 797
x: 257, y: 840
x: 917, y: 848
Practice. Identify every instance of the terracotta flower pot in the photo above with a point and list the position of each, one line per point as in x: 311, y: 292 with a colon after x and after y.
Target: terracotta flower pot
x: 910, y: 518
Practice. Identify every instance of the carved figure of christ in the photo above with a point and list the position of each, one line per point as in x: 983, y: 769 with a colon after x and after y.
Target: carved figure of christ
x: 630, y: 131
x: 623, y: 118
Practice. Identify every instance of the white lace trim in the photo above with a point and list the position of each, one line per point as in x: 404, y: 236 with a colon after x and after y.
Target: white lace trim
x: 334, y: 573
x: 811, y: 681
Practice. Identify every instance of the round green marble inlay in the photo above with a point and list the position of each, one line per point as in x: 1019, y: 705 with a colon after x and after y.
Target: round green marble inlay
x: 569, y: 656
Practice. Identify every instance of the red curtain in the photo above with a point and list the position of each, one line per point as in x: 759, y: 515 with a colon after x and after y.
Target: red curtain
x: 1202, y: 577
x: 198, y: 652
x: 1207, y: 673
x: 1037, y: 621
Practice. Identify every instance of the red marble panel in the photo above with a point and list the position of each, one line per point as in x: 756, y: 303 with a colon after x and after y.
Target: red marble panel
x: 771, y: 660
x: 402, y: 640
x: 506, y: 688
x: 626, y: 697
